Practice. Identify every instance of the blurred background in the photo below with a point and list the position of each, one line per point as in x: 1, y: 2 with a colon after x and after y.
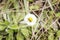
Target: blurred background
x: 47, y: 27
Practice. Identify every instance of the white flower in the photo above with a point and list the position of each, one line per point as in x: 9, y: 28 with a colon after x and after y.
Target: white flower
x: 30, y: 19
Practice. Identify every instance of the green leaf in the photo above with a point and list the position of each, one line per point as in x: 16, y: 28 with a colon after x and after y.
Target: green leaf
x: 2, y: 27
x: 9, y: 31
x: 6, y: 23
x: 22, y: 26
x: 19, y: 37
x: 31, y: 7
x: 51, y: 36
x: 54, y: 1
x: 51, y: 13
x: 14, y: 26
x: 25, y: 32
x: 58, y: 14
x: 1, y: 23
x: 22, y: 15
x: 56, y: 38
x: 34, y: 7
x: 16, y: 5
x: 10, y: 36
x: 0, y: 37
x: 58, y: 33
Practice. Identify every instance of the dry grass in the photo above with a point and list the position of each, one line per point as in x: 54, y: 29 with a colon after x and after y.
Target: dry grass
x: 48, y: 19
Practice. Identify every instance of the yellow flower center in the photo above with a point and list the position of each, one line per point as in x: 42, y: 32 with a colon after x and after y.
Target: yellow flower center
x: 30, y: 19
